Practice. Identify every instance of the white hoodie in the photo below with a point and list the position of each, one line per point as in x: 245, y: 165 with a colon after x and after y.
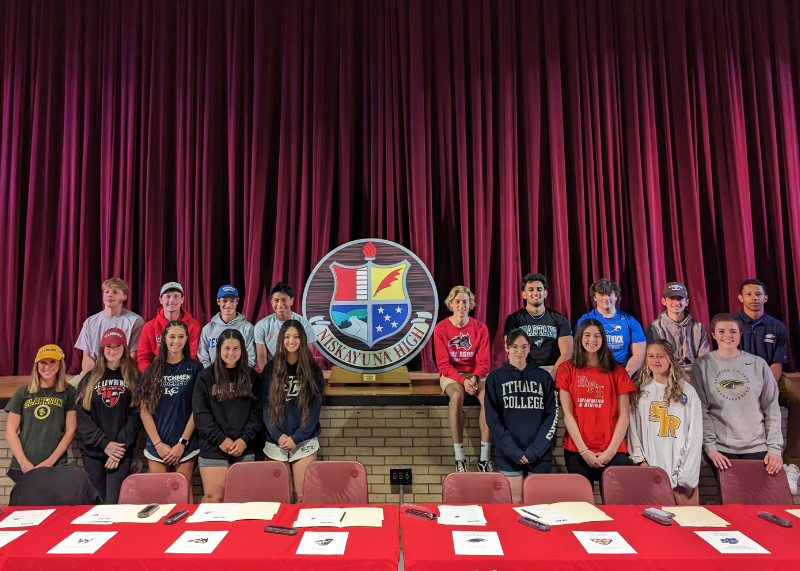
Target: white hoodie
x: 207, y: 348
x: 668, y: 435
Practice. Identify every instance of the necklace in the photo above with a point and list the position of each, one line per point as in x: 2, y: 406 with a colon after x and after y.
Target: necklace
x: 537, y: 317
x: 52, y: 390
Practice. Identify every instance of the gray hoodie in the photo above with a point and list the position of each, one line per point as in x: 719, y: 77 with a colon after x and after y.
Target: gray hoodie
x: 207, y: 348
x: 739, y: 397
x: 689, y: 338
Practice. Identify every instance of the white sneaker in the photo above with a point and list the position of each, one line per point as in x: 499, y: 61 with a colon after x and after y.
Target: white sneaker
x: 792, y: 474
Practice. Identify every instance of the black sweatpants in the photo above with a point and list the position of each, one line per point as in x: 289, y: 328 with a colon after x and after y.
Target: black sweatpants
x: 107, y: 482
x: 732, y: 456
x: 577, y: 465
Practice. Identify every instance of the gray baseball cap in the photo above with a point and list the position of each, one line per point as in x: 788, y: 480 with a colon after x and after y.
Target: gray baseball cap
x: 171, y: 285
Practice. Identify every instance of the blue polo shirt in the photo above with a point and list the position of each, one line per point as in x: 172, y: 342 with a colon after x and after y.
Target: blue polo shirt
x: 765, y: 337
x: 622, y: 330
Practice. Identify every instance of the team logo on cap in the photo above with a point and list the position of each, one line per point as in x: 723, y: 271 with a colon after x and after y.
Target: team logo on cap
x: 372, y: 304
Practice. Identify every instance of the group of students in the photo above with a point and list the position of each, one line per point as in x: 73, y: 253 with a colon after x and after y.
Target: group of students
x: 655, y: 398
x: 213, y: 412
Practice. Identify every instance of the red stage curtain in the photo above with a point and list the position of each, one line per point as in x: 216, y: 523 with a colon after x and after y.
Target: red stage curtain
x: 239, y: 141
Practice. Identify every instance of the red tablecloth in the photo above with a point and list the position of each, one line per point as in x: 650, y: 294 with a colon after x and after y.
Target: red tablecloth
x: 246, y: 546
x: 429, y: 545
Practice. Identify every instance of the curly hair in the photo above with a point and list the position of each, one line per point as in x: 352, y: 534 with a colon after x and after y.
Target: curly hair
x: 457, y: 290
x: 675, y: 377
x: 605, y: 286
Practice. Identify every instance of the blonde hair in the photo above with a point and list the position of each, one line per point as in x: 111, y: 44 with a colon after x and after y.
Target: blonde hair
x: 457, y: 290
x: 36, y: 383
x: 675, y: 378
x: 130, y: 376
x: 118, y: 284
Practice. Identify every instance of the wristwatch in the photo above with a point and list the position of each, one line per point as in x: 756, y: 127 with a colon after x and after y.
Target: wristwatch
x: 183, y: 441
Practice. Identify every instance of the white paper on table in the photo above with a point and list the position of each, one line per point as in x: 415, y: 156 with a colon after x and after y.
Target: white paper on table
x: 213, y: 512
x: 197, y: 542
x: 131, y: 516
x: 25, y: 518
x: 7, y: 537
x: 582, y: 512
x: 102, y: 515
x: 319, y: 517
x: 83, y: 542
x: 695, y: 516
x: 461, y: 515
x: 323, y: 543
x: 731, y: 542
x: 795, y: 513
x: 603, y: 542
x: 362, y: 517
x: 476, y: 543
x: 546, y: 513
x: 256, y: 510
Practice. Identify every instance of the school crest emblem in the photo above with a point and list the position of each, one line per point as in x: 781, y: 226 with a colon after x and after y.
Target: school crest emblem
x: 372, y: 303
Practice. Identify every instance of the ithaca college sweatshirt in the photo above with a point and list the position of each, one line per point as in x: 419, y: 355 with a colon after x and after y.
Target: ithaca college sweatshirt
x: 291, y: 425
x: 461, y: 349
x: 207, y: 348
x: 237, y: 417
x: 150, y: 340
x: 522, y: 412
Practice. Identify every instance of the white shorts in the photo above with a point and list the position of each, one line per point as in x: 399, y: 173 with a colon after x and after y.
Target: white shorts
x: 302, y: 450
x: 154, y: 458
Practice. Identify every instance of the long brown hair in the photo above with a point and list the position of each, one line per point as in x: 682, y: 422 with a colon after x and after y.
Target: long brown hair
x: 580, y: 356
x: 675, y: 377
x: 129, y: 370
x: 242, y: 386
x: 150, y: 392
x: 307, y: 389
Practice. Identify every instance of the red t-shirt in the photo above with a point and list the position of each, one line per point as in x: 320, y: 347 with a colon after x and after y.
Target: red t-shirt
x: 594, y: 403
x: 461, y: 349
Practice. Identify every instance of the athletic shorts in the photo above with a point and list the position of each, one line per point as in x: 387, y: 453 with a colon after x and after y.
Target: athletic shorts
x: 224, y: 462
x: 156, y: 458
x: 444, y: 381
x: 302, y: 450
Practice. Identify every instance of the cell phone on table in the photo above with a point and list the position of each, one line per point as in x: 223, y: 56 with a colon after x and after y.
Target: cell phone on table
x: 280, y: 530
x: 147, y: 511
x: 176, y: 517
x: 659, y: 516
x: 772, y: 518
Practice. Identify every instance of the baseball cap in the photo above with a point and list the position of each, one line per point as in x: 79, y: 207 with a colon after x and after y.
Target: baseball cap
x: 171, y: 285
x: 49, y: 352
x: 114, y: 336
x: 675, y: 289
x: 227, y: 290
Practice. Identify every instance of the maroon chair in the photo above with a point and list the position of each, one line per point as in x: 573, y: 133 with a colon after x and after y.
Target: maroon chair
x: 476, y: 488
x: 636, y: 485
x: 335, y: 482
x: 258, y: 482
x: 747, y: 482
x: 552, y: 488
x: 166, y: 488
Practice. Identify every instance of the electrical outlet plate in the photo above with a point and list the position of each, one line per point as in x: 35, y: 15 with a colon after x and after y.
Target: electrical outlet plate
x: 400, y: 476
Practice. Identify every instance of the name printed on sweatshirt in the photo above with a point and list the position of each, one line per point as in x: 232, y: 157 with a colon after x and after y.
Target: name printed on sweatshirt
x: 516, y: 401
x: 172, y: 383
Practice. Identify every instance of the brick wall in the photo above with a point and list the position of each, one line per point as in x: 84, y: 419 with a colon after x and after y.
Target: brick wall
x: 381, y: 438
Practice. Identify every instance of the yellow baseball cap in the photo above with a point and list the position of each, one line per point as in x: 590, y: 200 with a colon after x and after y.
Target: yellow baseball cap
x: 49, y: 352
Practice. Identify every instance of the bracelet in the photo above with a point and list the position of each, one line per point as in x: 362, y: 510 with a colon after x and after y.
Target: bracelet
x: 157, y: 443
x: 584, y: 452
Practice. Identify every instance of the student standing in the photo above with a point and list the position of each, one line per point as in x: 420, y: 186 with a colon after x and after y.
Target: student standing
x: 548, y: 331
x: 522, y: 414
x: 227, y: 318
x: 594, y: 393
x: 741, y: 416
x: 461, y: 344
x: 41, y: 417
x: 293, y: 389
x: 108, y: 415
x: 227, y: 412
x: 667, y: 422
x: 624, y: 334
x: 676, y: 325
x: 171, y: 298
x: 165, y: 398
x: 281, y: 296
x: 114, y: 315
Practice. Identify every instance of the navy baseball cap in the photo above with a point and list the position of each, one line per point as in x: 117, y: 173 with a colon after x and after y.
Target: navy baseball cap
x: 227, y: 290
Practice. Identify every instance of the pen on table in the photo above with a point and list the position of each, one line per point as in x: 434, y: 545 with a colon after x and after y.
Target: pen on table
x: 531, y: 513
x: 342, y: 518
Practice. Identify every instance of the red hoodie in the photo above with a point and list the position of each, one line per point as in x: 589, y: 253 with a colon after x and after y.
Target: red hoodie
x: 151, y: 337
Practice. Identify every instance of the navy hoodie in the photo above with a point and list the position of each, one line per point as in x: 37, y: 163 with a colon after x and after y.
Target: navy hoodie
x: 522, y: 412
x: 291, y: 425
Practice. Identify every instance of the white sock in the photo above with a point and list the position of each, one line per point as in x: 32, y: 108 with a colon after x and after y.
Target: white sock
x: 486, y: 451
x: 459, y: 448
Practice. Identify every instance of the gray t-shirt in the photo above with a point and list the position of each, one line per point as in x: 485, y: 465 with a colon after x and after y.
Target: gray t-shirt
x: 43, y: 422
x: 268, y: 328
x: 94, y: 327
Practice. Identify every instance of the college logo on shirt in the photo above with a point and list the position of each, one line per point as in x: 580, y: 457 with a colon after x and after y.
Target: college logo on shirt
x: 41, y: 412
x: 110, y: 391
x: 461, y: 341
x: 659, y: 412
x: 731, y: 384
x: 293, y: 389
x: 593, y: 390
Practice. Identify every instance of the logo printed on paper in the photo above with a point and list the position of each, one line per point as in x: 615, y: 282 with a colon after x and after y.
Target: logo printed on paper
x: 602, y: 540
x: 729, y: 540
x: 324, y: 542
x: 372, y: 304
x: 198, y: 540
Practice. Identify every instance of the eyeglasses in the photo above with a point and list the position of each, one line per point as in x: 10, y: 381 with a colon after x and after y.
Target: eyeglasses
x: 520, y: 347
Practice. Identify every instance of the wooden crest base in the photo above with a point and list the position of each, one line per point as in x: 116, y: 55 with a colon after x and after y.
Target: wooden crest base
x: 398, y: 376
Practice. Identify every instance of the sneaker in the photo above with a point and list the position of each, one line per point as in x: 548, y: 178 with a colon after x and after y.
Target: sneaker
x: 792, y: 474
x: 461, y: 465
x: 485, y: 466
